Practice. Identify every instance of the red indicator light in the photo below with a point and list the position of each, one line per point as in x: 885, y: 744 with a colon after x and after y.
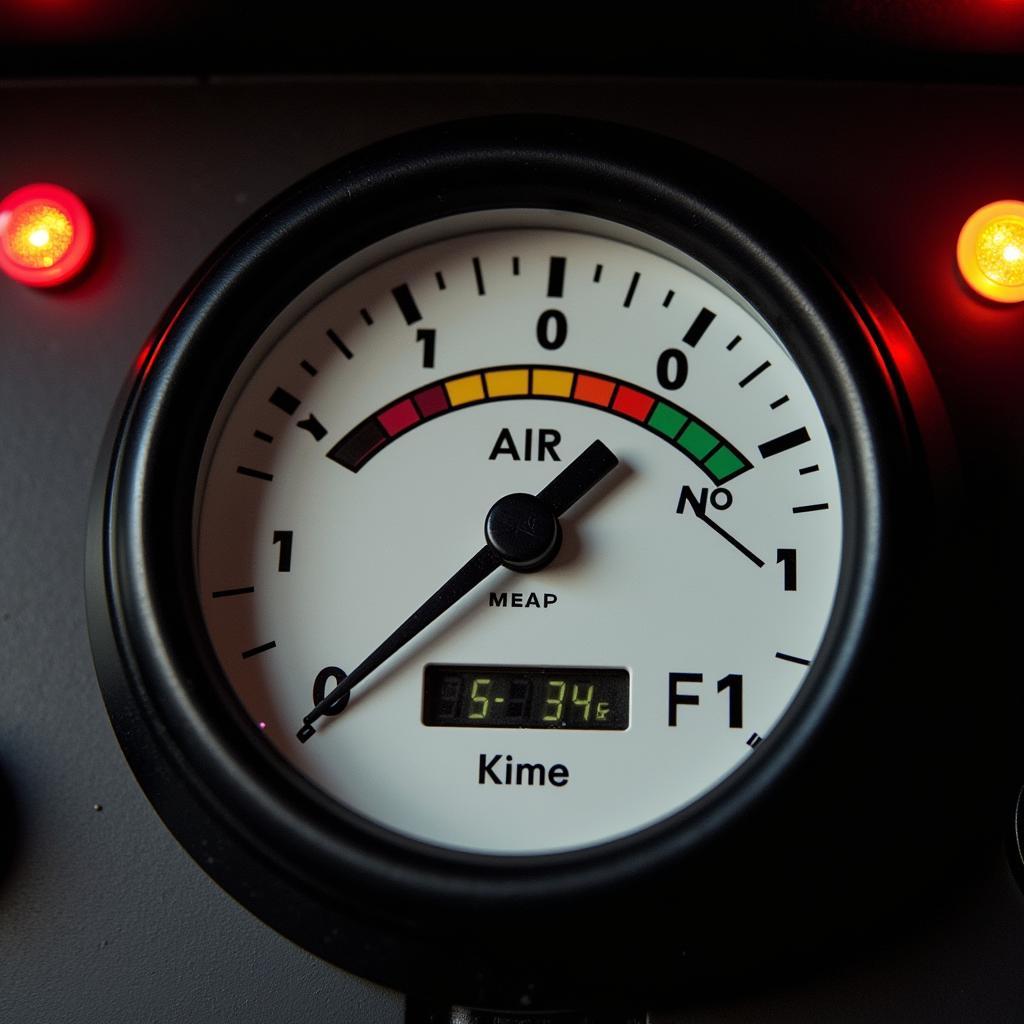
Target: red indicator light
x: 46, y: 235
x: 990, y: 251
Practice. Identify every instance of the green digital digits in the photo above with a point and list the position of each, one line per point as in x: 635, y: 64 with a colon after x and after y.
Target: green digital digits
x: 525, y: 697
x: 585, y: 702
x: 478, y: 697
x: 558, y: 701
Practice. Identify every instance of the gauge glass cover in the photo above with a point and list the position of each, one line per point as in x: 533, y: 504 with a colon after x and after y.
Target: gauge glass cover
x: 377, y: 420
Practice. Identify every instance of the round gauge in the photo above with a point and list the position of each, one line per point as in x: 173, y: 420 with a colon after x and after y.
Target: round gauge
x: 349, y: 472
x: 491, y: 538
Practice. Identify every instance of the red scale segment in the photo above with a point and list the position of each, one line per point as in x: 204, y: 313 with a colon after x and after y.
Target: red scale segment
x: 594, y: 390
x: 431, y: 401
x: 632, y: 403
x: 399, y: 417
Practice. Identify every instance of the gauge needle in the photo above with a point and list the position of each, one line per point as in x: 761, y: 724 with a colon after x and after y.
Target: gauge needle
x: 522, y: 533
x: 722, y: 532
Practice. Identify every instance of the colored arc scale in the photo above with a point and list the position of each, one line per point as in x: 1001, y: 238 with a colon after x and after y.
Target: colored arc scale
x: 719, y: 460
x: 349, y: 474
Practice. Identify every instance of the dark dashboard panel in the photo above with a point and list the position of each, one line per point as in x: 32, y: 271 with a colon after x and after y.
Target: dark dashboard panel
x: 103, y: 914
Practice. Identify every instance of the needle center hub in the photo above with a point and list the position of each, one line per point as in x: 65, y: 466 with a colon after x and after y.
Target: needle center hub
x: 523, y: 531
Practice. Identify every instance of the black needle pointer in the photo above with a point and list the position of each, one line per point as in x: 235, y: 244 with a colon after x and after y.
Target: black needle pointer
x: 522, y: 533
x: 722, y: 532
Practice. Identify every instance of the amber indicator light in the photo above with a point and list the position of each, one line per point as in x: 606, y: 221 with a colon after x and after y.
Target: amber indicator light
x: 990, y: 251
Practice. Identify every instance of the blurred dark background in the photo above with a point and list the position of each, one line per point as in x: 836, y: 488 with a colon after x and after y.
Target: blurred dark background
x: 961, y: 40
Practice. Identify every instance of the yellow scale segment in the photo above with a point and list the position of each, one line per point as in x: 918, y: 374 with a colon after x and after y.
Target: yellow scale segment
x: 506, y: 383
x: 465, y: 389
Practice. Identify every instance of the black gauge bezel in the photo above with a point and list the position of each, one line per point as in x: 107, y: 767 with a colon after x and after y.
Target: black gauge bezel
x: 400, y: 911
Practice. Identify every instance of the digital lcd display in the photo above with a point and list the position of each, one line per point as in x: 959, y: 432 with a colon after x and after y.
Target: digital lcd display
x: 525, y: 697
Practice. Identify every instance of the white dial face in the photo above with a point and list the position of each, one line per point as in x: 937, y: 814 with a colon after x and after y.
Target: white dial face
x: 349, y: 475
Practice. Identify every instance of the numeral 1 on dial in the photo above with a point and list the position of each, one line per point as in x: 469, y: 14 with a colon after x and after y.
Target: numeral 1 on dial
x: 284, y: 556
x: 787, y: 558
x: 428, y: 336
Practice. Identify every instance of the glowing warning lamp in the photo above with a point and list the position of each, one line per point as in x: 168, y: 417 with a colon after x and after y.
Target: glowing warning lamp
x: 990, y: 251
x: 46, y: 235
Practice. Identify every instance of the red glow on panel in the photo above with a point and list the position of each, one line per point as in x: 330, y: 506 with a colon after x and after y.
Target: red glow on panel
x: 39, y: 22
x: 891, y: 339
x: 46, y: 235
x: 952, y: 26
